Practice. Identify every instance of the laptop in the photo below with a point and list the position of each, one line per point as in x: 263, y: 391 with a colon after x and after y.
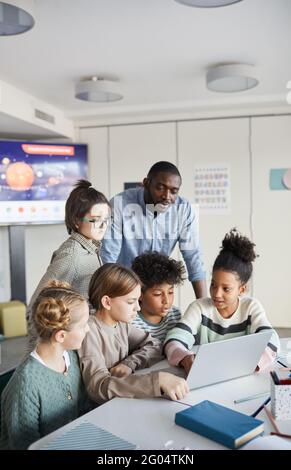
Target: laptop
x: 227, y: 359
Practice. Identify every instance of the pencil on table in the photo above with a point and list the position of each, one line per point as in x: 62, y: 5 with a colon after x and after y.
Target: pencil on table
x: 251, y: 397
x: 261, y: 407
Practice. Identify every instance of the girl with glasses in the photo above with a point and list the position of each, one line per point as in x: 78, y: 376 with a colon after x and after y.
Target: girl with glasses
x: 87, y: 215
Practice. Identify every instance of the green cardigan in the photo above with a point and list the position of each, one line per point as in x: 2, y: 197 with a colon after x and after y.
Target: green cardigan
x: 38, y: 400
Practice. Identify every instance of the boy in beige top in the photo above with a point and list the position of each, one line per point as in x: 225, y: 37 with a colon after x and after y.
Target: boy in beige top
x: 113, y: 349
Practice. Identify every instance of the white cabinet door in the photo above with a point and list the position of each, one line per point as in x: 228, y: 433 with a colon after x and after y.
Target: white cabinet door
x: 98, y: 167
x: 271, y: 149
x: 135, y: 148
x: 205, y: 144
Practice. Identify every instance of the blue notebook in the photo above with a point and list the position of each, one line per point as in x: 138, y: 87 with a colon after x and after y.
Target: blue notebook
x: 87, y: 436
x: 221, y: 424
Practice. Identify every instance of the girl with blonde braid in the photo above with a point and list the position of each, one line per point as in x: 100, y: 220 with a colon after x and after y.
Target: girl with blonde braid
x: 46, y: 391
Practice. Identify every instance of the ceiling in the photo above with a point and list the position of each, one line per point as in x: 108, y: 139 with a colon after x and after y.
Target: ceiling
x: 13, y: 128
x: 159, y: 51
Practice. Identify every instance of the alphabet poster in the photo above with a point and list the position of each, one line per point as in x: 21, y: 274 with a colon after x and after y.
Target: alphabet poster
x: 212, y: 189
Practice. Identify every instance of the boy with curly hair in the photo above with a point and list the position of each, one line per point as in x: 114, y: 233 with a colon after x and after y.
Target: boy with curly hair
x: 159, y: 275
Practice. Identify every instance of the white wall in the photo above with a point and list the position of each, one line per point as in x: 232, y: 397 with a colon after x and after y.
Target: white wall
x: 4, y: 265
x: 134, y: 149
x: 251, y: 147
x: 248, y: 146
x: 98, y: 147
x: 271, y: 148
x: 208, y: 143
x: 40, y: 242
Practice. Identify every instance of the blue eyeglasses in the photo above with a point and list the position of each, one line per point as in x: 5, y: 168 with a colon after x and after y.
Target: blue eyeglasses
x: 98, y: 222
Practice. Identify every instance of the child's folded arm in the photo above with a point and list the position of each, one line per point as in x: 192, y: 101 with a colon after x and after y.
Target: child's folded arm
x: 102, y: 386
x: 175, y: 352
x: 267, y: 358
x: 144, y: 350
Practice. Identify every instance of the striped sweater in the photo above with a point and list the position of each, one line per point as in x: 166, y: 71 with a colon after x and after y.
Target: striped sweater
x: 158, y: 330
x: 202, y: 323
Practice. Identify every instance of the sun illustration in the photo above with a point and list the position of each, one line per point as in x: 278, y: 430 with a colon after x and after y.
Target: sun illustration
x: 19, y: 176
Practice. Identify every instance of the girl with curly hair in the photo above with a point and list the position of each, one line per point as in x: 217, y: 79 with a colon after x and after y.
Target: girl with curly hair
x: 227, y: 313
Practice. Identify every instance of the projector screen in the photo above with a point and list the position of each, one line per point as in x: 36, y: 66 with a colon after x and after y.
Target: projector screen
x: 36, y: 179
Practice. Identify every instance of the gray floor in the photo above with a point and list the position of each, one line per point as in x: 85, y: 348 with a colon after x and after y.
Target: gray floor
x: 11, y: 353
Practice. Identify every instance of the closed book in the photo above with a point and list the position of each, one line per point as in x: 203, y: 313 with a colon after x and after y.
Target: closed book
x: 228, y: 427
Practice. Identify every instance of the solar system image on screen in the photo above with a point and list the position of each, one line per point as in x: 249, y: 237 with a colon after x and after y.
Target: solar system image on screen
x: 36, y: 179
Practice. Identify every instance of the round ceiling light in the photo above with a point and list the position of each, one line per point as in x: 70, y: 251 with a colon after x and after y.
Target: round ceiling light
x: 16, y: 17
x: 207, y: 3
x: 231, y: 78
x: 98, y: 89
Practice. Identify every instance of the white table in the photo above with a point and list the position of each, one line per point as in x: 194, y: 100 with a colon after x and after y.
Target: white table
x: 149, y: 423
